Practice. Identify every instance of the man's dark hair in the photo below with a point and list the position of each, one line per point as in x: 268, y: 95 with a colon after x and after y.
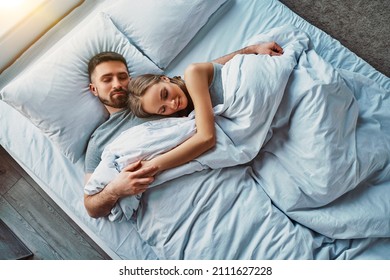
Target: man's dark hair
x: 104, y: 57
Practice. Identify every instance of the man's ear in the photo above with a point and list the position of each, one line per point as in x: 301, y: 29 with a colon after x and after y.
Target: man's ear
x: 92, y: 88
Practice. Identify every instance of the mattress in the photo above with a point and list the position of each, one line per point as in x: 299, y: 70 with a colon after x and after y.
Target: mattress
x: 228, y: 29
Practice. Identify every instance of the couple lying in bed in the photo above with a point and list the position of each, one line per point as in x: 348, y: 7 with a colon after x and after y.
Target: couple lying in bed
x: 151, y: 96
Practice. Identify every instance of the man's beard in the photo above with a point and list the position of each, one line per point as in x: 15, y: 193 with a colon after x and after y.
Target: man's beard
x: 116, y: 100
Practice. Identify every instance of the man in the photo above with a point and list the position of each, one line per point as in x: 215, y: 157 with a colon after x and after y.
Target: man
x: 109, y: 79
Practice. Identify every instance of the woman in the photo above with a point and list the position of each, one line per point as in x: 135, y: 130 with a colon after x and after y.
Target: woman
x: 201, y: 91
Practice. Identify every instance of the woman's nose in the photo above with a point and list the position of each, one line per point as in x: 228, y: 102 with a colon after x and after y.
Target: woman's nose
x: 173, y: 104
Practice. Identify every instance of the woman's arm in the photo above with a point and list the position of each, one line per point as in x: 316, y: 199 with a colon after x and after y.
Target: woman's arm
x: 197, y: 77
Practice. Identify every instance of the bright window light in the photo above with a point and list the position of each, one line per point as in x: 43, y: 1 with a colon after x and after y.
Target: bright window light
x: 13, y: 11
x: 10, y: 4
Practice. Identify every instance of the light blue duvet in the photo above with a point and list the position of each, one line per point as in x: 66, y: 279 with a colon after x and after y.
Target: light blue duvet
x: 300, y: 171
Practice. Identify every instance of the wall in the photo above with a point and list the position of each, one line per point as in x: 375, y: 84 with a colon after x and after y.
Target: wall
x: 21, y: 26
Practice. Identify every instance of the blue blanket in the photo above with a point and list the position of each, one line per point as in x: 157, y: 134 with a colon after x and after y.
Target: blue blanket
x: 305, y: 172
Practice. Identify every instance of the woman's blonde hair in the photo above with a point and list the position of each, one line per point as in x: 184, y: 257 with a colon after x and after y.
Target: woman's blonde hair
x: 139, y: 85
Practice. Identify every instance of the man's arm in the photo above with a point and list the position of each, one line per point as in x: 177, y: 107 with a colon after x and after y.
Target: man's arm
x: 132, y: 180
x: 270, y: 48
x: 100, y: 204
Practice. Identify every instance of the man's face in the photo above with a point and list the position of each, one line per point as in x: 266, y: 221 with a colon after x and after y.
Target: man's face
x: 109, y: 83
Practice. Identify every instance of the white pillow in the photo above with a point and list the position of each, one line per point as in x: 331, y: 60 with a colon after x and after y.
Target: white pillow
x: 53, y: 93
x: 161, y: 29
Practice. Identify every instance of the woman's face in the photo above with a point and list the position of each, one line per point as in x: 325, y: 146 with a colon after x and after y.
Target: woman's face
x: 164, y: 98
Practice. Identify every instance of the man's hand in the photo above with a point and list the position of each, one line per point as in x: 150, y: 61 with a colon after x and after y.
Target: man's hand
x: 270, y: 48
x: 132, y: 180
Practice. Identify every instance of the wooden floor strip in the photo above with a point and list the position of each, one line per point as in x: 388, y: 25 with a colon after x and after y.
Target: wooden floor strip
x: 37, y: 220
x: 11, y: 247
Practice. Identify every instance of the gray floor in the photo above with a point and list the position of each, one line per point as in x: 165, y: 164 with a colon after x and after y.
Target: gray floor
x: 362, y: 26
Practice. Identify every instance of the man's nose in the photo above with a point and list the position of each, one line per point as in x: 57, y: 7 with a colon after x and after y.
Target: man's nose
x: 116, y: 83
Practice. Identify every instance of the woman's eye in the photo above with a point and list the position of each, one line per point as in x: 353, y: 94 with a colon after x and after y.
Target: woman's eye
x: 165, y: 94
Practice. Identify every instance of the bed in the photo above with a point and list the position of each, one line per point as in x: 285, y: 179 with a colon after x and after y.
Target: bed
x: 294, y: 199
